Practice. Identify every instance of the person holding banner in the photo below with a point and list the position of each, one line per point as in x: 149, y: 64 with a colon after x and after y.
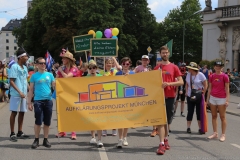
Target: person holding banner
x: 40, y: 85
x: 144, y: 66
x: 218, y: 98
x: 122, y: 133
x: 109, y: 71
x: 68, y: 70
x: 172, y: 78
x: 92, y: 68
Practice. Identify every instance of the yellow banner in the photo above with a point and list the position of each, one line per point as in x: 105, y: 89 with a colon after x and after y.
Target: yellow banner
x: 99, y: 103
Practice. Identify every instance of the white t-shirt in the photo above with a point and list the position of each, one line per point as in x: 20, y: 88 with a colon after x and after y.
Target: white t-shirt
x: 197, y: 82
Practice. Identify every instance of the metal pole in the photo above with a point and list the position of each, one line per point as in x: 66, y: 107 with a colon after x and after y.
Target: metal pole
x: 183, y: 39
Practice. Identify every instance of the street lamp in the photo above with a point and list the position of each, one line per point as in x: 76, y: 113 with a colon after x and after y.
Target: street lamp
x: 184, y: 30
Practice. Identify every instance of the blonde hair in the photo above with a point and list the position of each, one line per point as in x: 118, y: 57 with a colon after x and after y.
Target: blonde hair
x: 71, y: 63
x: 107, y: 60
x: 84, y: 65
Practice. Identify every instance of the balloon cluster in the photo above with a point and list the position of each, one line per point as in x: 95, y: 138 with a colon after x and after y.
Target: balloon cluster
x: 108, y: 33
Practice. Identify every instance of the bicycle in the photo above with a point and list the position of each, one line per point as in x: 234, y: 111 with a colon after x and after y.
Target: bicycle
x: 234, y: 87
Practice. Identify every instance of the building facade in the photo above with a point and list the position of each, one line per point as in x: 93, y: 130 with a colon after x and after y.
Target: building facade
x: 8, y: 42
x: 221, y: 33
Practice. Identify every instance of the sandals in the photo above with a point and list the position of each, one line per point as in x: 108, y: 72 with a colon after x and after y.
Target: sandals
x: 213, y: 136
x: 222, y: 138
x: 73, y: 136
x: 61, y: 134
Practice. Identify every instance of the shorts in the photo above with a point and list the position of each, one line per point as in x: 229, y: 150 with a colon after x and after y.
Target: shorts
x: 181, y: 96
x: 18, y: 104
x: 217, y: 101
x: 169, y: 109
x: 43, y: 112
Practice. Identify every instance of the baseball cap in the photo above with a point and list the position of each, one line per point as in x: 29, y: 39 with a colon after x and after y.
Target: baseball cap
x: 145, y: 56
x: 218, y: 63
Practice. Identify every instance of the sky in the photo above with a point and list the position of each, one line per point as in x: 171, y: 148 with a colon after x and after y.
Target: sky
x: 17, y: 9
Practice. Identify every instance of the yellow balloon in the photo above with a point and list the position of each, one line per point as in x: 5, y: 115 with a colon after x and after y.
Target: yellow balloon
x: 92, y: 32
x: 115, y: 31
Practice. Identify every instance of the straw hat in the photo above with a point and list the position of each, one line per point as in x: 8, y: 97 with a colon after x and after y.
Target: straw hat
x: 68, y: 55
x: 193, y: 66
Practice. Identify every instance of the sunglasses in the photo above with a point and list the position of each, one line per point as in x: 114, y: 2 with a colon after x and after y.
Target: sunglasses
x: 126, y: 64
x: 92, y: 68
x: 42, y: 63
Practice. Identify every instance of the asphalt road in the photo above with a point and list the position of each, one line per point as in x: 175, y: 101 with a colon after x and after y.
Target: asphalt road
x: 141, y: 146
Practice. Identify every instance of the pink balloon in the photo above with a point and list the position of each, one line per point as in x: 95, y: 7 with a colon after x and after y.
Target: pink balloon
x: 108, y: 33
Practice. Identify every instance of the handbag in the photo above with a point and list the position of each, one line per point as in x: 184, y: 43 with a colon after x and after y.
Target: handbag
x: 196, y: 94
x: 5, y: 86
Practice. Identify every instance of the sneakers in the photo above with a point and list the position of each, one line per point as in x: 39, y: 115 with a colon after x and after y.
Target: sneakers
x: 161, y: 149
x: 125, y: 143
x: 213, y: 136
x: 189, y: 130
x: 182, y: 114
x: 167, y: 147
x: 21, y: 135
x: 46, y: 143
x: 61, y: 134
x: 114, y: 132
x: 35, y: 144
x: 73, y: 136
x: 154, y: 133
x: 13, y: 138
x: 104, y: 133
x: 222, y: 138
x: 99, y: 144
x: 93, y: 141
x: 120, y: 143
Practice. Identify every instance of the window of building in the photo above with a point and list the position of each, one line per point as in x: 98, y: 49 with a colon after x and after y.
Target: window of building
x: 7, y: 41
x: 6, y: 34
x: 15, y: 41
x: 10, y: 28
x: 7, y: 54
x: 15, y: 48
x: 7, y: 47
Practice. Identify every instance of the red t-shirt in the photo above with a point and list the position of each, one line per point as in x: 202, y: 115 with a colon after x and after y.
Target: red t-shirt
x: 218, y: 85
x: 73, y: 70
x: 169, y: 73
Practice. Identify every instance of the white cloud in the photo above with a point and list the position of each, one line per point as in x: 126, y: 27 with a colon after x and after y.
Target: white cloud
x: 3, y: 22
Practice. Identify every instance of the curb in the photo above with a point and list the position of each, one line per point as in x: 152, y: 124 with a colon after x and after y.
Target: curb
x: 232, y: 113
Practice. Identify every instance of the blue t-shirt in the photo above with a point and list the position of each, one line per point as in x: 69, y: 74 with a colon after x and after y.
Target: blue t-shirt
x: 121, y: 73
x: 20, y: 75
x: 42, y: 85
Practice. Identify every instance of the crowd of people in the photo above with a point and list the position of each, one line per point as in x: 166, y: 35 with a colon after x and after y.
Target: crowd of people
x: 179, y: 83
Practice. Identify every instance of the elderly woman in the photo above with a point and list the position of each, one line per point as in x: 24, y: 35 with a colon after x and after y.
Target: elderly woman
x: 196, y: 81
x: 68, y: 70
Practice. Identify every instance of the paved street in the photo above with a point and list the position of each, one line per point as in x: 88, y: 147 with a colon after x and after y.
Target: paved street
x: 141, y: 146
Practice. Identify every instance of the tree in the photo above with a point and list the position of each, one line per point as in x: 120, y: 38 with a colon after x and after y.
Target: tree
x: 173, y: 29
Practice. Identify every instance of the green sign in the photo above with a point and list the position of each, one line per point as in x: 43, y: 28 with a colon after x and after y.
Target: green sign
x: 82, y: 43
x: 104, y: 47
x: 170, y: 45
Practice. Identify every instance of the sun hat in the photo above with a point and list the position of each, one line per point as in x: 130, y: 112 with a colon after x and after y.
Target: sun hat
x: 68, y: 55
x: 193, y: 66
x: 145, y: 57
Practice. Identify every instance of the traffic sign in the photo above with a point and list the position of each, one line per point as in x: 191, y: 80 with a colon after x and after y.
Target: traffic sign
x: 149, y: 49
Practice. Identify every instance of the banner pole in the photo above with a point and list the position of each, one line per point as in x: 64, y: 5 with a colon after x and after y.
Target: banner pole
x: 86, y: 57
x: 57, y: 115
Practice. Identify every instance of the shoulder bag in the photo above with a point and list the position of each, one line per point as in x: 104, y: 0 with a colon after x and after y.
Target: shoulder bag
x: 196, y: 94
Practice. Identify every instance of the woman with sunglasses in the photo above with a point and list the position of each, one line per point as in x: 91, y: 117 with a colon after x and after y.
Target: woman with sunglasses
x: 110, y: 71
x: 68, y: 70
x: 122, y: 132
x: 218, y: 96
x: 92, y: 70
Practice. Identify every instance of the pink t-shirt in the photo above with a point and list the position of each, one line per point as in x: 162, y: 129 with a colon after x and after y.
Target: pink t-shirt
x: 141, y: 69
x: 218, y: 85
x: 73, y: 70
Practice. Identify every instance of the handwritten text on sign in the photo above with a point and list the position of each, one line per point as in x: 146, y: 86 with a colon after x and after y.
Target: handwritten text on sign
x: 104, y: 47
x: 82, y: 43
